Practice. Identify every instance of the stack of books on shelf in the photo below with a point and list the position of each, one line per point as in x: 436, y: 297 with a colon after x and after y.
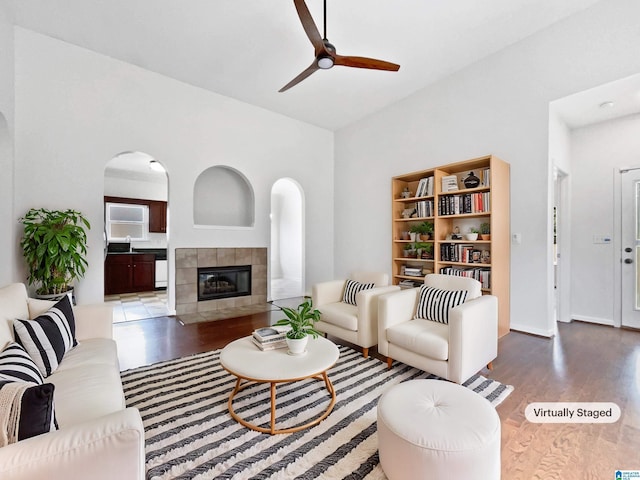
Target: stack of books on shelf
x: 466, y: 203
x: 425, y: 187
x: 408, y: 284
x: 424, y: 208
x: 413, y: 271
x: 449, y: 183
x: 483, y: 275
x: 486, y: 177
x: 450, y: 252
x: 270, y: 338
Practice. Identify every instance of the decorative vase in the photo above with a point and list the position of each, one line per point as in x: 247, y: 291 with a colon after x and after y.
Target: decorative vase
x: 471, y: 181
x: 297, y: 346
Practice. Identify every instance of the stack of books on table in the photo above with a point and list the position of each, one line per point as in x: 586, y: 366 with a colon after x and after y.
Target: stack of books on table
x: 270, y: 338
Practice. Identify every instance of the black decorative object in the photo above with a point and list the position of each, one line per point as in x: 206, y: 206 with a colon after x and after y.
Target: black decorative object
x: 471, y: 181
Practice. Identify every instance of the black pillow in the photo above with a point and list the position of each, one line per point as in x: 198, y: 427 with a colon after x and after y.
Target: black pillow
x: 49, y: 336
x: 36, y: 411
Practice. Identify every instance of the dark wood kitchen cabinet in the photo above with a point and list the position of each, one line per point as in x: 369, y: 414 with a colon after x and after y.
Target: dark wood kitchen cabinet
x: 127, y: 273
x: 157, y: 211
x: 157, y: 216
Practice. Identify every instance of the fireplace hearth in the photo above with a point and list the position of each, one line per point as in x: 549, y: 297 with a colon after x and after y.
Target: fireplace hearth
x: 224, y: 282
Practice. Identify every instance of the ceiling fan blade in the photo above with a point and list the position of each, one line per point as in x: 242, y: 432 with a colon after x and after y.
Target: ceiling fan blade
x: 312, y: 68
x: 363, y: 62
x: 309, y: 26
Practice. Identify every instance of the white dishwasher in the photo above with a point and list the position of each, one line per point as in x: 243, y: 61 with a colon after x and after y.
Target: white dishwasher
x: 161, y: 273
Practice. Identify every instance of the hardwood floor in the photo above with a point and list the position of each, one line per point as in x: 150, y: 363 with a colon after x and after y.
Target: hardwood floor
x: 582, y: 363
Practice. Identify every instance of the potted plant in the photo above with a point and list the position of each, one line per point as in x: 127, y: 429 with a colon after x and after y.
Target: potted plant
x: 485, y: 231
x: 301, y: 322
x: 425, y: 250
x: 54, y: 246
x: 472, y: 235
x: 424, y: 229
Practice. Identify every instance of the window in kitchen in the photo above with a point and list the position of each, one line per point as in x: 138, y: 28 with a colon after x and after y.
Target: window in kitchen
x: 127, y: 222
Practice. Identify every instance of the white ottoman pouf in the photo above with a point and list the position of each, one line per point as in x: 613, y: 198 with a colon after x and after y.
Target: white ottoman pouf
x: 434, y: 429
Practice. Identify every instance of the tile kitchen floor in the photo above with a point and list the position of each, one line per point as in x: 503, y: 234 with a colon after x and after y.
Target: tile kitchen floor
x: 136, y: 306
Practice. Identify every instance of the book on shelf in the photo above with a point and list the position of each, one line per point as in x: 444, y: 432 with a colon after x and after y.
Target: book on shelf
x: 483, y: 275
x: 424, y: 208
x: 464, y: 203
x: 408, y: 284
x: 449, y: 183
x: 413, y: 271
x: 266, y: 346
x: 425, y: 187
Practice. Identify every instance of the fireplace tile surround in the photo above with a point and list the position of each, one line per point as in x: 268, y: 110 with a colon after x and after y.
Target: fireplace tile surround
x: 188, y: 260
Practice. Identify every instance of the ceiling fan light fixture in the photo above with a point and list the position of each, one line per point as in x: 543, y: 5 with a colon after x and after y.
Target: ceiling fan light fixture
x: 325, y: 63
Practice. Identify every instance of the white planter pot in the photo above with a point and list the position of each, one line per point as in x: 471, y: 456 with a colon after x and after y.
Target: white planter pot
x: 297, y: 346
x: 472, y: 237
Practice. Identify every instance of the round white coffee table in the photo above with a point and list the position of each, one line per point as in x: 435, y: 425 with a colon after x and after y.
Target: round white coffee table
x: 247, y: 362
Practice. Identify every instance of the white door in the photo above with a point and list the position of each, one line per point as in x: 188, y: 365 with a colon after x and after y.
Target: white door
x: 630, y: 244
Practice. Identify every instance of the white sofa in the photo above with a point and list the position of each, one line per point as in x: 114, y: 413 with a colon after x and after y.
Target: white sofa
x: 455, y: 351
x: 98, y: 437
x: 357, y: 324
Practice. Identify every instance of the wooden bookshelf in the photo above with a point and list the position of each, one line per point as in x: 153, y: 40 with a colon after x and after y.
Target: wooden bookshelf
x: 456, y: 212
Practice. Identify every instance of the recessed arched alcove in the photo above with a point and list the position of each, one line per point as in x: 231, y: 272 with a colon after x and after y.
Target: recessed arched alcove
x: 287, y: 245
x: 222, y: 196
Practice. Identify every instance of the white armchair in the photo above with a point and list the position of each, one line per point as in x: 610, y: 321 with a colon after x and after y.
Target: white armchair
x: 357, y: 324
x: 454, y: 351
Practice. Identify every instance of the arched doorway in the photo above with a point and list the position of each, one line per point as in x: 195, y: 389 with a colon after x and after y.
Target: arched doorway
x: 136, y: 191
x: 287, y: 239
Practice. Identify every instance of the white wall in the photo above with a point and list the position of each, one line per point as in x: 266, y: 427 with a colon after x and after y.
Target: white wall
x: 8, y: 219
x: 115, y: 186
x: 76, y: 110
x: 596, y: 151
x: 501, y: 106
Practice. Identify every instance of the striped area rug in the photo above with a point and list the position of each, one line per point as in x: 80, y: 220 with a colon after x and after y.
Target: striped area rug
x: 190, y: 434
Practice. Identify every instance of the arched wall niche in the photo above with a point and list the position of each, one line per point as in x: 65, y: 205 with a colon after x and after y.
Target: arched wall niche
x: 223, y: 197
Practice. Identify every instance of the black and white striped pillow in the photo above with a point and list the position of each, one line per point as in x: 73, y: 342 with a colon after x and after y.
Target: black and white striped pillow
x: 351, y: 289
x: 434, y: 304
x: 16, y: 365
x: 48, y: 337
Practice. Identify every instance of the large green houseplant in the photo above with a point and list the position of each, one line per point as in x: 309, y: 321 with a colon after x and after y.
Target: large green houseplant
x: 54, y: 246
x: 301, y: 321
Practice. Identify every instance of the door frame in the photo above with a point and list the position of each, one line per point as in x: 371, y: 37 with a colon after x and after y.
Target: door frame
x: 617, y: 241
x: 562, y: 202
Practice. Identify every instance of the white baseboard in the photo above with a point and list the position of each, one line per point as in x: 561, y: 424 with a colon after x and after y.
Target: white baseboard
x: 599, y: 320
x: 533, y: 331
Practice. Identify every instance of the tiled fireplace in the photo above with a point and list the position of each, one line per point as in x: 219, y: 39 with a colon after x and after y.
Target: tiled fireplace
x: 189, y: 261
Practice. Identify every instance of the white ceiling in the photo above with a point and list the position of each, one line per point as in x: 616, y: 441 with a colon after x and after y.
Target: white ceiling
x: 248, y: 49
x: 605, y: 102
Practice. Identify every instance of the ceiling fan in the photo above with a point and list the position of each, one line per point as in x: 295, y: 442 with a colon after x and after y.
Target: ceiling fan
x: 325, y: 52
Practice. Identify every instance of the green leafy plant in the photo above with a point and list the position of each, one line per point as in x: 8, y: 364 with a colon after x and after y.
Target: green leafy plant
x: 485, y: 228
x: 428, y: 247
x: 300, y: 320
x: 423, y: 228
x: 474, y: 230
x: 54, y: 246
